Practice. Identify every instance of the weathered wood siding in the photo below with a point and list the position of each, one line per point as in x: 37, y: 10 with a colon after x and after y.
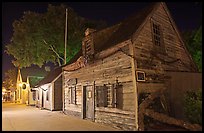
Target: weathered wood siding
x: 72, y: 109
x: 106, y: 71
x: 117, y: 67
x: 180, y: 83
x: 58, y: 94
x: 120, y: 119
x: 172, y: 44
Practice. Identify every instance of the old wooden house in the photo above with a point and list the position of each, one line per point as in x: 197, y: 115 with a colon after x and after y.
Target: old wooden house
x: 49, y: 91
x: 117, y: 65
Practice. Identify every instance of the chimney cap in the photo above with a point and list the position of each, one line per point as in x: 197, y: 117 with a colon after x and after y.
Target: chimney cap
x: 89, y: 31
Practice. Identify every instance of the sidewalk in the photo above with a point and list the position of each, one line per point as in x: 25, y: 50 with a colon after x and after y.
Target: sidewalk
x: 18, y: 117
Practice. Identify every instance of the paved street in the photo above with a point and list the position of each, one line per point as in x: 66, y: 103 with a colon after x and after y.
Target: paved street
x: 18, y: 117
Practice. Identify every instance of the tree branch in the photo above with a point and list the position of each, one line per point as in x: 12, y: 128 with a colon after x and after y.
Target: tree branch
x: 51, y: 47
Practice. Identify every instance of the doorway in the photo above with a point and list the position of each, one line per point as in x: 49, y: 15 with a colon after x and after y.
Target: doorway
x: 42, y: 105
x: 88, y: 102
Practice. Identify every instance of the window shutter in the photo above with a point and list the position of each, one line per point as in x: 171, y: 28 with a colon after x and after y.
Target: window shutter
x: 105, y: 97
x: 69, y: 94
x: 74, y: 95
x: 112, y: 96
x: 119, y: 97
x: 99, y: 96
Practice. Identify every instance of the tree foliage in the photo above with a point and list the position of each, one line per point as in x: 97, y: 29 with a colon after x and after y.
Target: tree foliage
x: 194, y: 44
x: 193, y: 106
x: 39, y: 38
x: 10, y: 80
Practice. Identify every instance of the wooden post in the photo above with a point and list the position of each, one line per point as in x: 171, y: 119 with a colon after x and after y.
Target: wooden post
x: 65, y: 40
x: 134, y: 67
x: 63, y: 93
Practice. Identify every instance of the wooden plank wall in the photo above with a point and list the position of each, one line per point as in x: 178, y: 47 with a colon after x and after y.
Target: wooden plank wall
x: 180, y: 83
x: 173, y: 46
x: 118, y: 67
x: 106, y: 71
x: 58, y: 94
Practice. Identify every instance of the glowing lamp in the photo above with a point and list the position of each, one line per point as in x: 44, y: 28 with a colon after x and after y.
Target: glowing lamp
x: 20, y: 84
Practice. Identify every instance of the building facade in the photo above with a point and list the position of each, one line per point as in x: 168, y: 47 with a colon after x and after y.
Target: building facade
x: 119, y: 64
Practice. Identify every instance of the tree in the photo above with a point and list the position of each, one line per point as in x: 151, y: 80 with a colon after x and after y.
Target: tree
x: 39, y: 38
x: 10, y: 80
x: 193, y: 106
x: 193, y: 40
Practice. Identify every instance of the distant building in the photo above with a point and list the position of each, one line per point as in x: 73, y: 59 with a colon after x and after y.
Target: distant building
x: 26, y: 80
x: 49, y: 91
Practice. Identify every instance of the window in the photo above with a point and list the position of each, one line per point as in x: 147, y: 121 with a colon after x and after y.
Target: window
x: 72, y: 94
x: 109, y: 96
x: 140, y: 76
x: 157, y: 34
x: 34, y: 95
x: 101, y: 96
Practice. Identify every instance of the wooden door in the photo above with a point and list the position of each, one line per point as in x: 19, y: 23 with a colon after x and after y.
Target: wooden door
x: 89, y: 102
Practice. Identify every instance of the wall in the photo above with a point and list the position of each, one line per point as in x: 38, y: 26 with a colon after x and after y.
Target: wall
x: 58, y: 94
x: 179, y: 83
x: 106, y: 71
x: 31, y: 95
x: 41, y: 92
x: 172, y: 45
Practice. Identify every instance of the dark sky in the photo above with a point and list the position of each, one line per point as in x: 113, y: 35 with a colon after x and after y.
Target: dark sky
x: 187, y: 15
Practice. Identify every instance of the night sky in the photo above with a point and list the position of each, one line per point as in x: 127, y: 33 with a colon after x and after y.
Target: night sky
x: 187, y: 15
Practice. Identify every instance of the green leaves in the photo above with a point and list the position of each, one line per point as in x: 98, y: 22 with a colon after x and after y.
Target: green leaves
x: 193, y: 106
x: 39, y: 38
x: 10, y: 79
x: 194, y: 44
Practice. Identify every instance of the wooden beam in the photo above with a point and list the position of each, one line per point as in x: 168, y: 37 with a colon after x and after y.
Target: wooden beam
x: 143, y: 106
x: 134, y: 67
x: 63, y: 91
x: 172, y: 121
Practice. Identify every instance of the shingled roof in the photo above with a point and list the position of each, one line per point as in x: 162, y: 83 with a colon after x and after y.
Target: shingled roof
x: 51, y: 76
x: 121, y: 31
x: 34, y: 80
x: 32, y: 71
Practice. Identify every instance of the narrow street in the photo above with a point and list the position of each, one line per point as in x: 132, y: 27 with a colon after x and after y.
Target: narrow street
x: 19, y: 117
